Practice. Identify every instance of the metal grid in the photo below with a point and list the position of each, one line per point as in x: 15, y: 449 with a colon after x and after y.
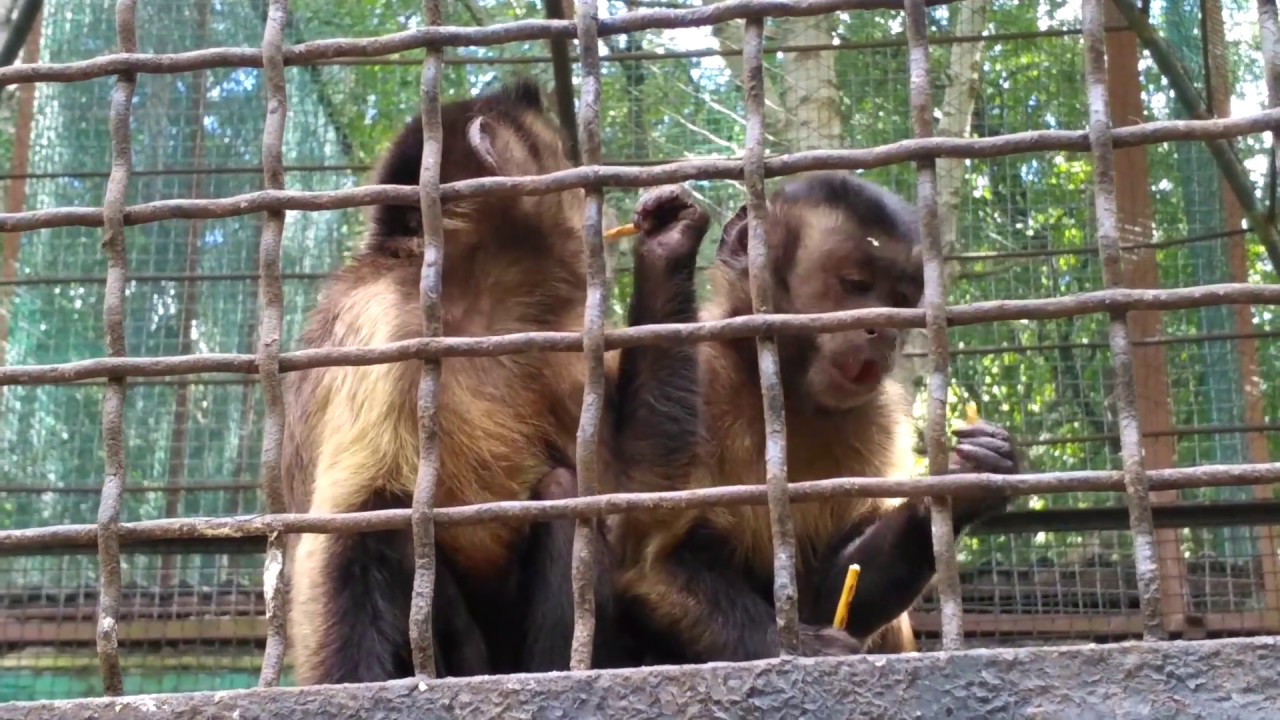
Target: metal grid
x: 109, y: 532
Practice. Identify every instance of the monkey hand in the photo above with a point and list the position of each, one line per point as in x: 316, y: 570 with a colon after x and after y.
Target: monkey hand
x: 983, y: 448
x: 671, y: 225
x: 825, y: 641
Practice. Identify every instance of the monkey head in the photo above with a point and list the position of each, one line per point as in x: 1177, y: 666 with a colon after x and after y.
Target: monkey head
x: 835, y: 242
x: 503, y: 132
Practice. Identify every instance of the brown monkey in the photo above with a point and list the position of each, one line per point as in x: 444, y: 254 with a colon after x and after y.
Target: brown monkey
x: 696, y: 585
x: 508, y: 424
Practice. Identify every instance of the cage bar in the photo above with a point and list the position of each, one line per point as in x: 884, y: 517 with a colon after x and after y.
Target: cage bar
x: 734, y: 328
x: 271, y: 304
x: 584, y: 565
x: 785, y: 593
x: 113, y: 244
x: 421, y: 635
x: 1137, y: 489
x: 310, y: 53
x: 1204, y: 476
x: 935, y: 308
x: 1150, y: 133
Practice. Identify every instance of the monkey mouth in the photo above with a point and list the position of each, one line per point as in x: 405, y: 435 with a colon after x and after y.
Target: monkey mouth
x: 868, y: 374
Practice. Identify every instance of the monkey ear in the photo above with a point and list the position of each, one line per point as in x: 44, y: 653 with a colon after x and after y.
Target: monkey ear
x: 480, y: 137
x: 733, y: 238
x: 499, y: 148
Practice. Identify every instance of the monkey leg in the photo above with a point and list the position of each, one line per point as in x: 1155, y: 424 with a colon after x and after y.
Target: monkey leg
x: 349, y: 614
x: 547, y: 588
x: 698, y: 605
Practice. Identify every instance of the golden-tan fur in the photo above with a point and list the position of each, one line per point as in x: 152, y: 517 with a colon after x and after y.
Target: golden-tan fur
x: 510, y: 264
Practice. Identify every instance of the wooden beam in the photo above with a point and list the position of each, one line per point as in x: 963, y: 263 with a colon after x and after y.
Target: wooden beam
x: 1256, y: 449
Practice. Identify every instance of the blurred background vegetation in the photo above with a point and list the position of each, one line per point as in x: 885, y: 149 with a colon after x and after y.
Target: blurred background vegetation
x: 1017, y: 227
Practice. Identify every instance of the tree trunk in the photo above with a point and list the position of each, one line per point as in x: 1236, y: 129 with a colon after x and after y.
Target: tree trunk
x: 964, y: 74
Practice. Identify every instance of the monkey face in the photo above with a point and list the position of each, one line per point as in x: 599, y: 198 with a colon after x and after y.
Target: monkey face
x: 835, y: 243
x: 841, y: 264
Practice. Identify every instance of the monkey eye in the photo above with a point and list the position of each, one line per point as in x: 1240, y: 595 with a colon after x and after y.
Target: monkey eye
x: 855, y: 286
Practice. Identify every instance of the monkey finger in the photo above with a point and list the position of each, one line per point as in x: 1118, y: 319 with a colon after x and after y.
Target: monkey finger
x: 982, y: 429
x: 983, y: 460
x: 995, y: 445
x: 665, y: 205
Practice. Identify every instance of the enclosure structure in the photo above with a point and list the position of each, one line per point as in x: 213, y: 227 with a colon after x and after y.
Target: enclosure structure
x: 797, y: 683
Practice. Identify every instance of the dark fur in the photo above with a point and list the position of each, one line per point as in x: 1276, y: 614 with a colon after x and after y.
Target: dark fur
x: 508, y: 424
x: 697, y: 585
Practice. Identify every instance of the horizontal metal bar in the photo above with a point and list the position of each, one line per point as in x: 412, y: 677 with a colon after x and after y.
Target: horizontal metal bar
x: 1187, y: 515
x: 675, y: 333
x: 520, y: 31
x: 1236, y: 678
x: 253, y: 275
x: 1102, y: 344
x: 684, y: 171
x: 1170, y: 432
x: 601, y: 505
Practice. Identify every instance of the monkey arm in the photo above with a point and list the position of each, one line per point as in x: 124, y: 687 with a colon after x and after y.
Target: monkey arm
x: 896, y: 557
x: 657, y: 393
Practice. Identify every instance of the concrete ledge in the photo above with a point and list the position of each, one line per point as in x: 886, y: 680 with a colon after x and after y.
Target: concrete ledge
x: 1219, y: 679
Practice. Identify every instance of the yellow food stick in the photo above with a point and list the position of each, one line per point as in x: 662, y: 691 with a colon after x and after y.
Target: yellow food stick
x: 971, y: 413
x: 846, y: 596
x: 620, y: 232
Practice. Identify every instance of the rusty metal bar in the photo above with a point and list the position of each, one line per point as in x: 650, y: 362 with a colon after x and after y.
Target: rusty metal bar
x: 1207, y: 476
x: 935, y: 307
x: 521, y: 31
x: 430, y: 289
x: 1137, y: 490
x: 653, y: 55
x: 588, y: 463
x: 785, y: 593
x: 630, y: 176
x: 113, y: 446
x: 271, y: 317
x: 1112, y: 300
x: 254, y: 275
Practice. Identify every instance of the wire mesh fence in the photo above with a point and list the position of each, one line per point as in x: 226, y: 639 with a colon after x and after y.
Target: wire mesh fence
x: 192, y: 614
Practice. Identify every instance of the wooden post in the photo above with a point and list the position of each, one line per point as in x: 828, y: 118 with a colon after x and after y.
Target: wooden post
x: 1133, y: 191
x: 1256, y: 451
x: 16, y: 191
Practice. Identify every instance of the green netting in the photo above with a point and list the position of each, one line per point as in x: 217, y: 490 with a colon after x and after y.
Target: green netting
x: 1023, y: 228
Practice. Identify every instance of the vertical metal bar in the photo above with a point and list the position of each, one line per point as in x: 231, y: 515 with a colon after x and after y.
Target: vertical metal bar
x: 584, y: 537
x: 271, y: 315
x: 421, y: 637
x: 113, y: 245
x: 1137, y: 493
x: 935, y: 308
x: 775, y: 424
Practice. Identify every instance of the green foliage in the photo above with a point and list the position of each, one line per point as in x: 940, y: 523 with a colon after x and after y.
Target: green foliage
x: 1049, y: 382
